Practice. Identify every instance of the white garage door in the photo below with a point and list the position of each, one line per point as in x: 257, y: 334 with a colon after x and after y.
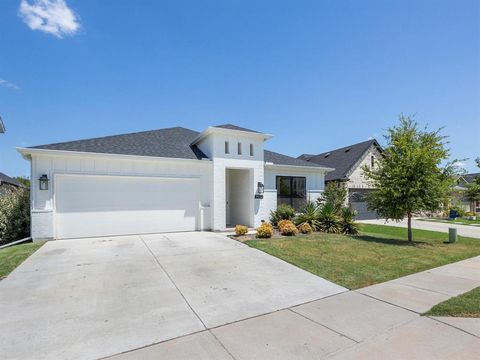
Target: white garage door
x: 88, y: 206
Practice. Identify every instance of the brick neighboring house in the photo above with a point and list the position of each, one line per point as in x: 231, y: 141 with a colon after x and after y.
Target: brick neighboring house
x: 458, y: 199
x: 348, y: 162
x: 7, y: 184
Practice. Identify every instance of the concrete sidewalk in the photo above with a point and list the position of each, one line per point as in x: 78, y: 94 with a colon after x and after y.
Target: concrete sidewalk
x: 463, y: 230
x: 377, y: 322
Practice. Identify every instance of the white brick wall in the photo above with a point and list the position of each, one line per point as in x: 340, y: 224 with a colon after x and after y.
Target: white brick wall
x: 42, y: 225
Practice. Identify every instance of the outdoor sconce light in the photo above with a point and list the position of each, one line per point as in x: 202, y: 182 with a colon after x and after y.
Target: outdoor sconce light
x: 43, y: 180
x: 260, y: 188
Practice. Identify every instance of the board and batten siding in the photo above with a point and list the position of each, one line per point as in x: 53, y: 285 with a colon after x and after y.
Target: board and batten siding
x: 43, y: 202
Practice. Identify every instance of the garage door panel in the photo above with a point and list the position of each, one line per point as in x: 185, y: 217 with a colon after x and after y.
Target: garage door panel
x: 113, y: 205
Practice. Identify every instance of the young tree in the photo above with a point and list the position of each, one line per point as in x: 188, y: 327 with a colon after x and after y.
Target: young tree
x: 472, y: 194
x: 335, y: 193
x: 410, y: 179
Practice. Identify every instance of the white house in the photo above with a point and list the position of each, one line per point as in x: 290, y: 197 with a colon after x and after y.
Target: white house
x: 164, y: 180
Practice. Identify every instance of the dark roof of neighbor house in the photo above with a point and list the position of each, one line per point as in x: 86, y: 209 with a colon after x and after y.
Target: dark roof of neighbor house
x: 235, y: 127
x: 469, y: 178
x: 170, y: 142
x: 342, y: 159
x: 280, y: 159
x: 8, y: 180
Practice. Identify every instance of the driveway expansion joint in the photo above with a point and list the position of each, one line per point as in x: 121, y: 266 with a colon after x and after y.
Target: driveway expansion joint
x: 171, y: 280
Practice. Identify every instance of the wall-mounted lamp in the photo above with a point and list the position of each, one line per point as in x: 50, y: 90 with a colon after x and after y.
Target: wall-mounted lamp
x: 43, y: 181
x: 260, y: 188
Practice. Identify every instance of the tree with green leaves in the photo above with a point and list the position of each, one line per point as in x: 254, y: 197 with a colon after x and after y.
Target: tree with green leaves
x: 335, y: 193
x: 410, y: 178
x: 472, y: 194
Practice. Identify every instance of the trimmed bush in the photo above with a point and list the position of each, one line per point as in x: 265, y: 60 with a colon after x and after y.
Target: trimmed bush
x: 282, y: 223
x: 283, y: 212
x: 241, y: 230
x: 14, y: 215
x: 288, y: 228
x: 347, y: 222
x: 305, y: 228
x: 265, y: 231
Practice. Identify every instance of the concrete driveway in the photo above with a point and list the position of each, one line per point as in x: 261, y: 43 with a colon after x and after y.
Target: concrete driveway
x: 91, y: 298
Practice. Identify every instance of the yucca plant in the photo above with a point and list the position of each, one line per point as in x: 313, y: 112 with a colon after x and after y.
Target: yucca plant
x: 347, y: 222
x: 309, y: 215
x: 329, y: 221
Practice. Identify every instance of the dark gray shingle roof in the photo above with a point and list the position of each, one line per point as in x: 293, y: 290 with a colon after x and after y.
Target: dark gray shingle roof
x: 342, y: 159
x: 469, y: 178
x: 280, y: 159
x: 8, y: 180
x: 171, y: 142
x: 235, y: 127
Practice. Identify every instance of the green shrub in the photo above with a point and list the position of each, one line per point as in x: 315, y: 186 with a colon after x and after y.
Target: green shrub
x: 329, y: 221
x: 14, y: 215
x: 241, y: 230
x: 335, y: 193
x: 347, y: 222
x: 305, y: 228
x: 310, y: 215
x: 288, y: 228
x: 265, y: 231
x: 283, y: 212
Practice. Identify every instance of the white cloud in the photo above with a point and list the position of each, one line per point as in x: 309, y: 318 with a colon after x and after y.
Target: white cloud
x: 461, y: 164
x: 8, y: 84
x: 50, y: 16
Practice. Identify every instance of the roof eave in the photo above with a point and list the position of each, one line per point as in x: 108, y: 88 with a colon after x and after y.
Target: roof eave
x: 318, y: 168
x: 28, y: 152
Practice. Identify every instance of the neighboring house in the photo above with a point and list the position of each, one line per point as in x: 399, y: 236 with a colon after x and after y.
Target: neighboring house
x: 458, y: 199
x: 165, y: 180
x: 7, y: 184
x: 348, y: 162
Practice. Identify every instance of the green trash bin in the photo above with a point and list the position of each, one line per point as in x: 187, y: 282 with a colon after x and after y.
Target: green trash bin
x: 452, y: 235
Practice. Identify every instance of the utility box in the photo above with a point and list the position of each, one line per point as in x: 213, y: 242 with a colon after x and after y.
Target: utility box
x: 452, y: 235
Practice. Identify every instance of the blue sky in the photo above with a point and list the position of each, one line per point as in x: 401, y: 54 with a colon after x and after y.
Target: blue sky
x: 316, y: 74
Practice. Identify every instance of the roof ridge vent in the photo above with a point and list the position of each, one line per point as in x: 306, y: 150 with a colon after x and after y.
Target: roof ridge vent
x: 327, y: 155
x: 348, y: 149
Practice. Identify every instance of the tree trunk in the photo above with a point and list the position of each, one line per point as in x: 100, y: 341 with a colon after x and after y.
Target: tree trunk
x: 410, y: 238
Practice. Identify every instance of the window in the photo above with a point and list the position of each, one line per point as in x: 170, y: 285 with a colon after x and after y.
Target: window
x: 251, y: 149
x: 227, y: 150
x: 372, y: 161
x: 292, y: 191
x: 239, y: 148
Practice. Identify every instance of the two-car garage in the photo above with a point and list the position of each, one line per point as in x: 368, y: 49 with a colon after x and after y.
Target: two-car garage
x: 97, y: 205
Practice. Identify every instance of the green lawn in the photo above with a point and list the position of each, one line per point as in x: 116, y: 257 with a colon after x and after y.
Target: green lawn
x: 459, y: 221
x: 378, y: 254
x: 465, y: 305
x: 13, y: 256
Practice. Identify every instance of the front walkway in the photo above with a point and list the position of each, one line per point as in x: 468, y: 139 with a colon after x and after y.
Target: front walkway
x: 463, y: 230
x: 378, y: 322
